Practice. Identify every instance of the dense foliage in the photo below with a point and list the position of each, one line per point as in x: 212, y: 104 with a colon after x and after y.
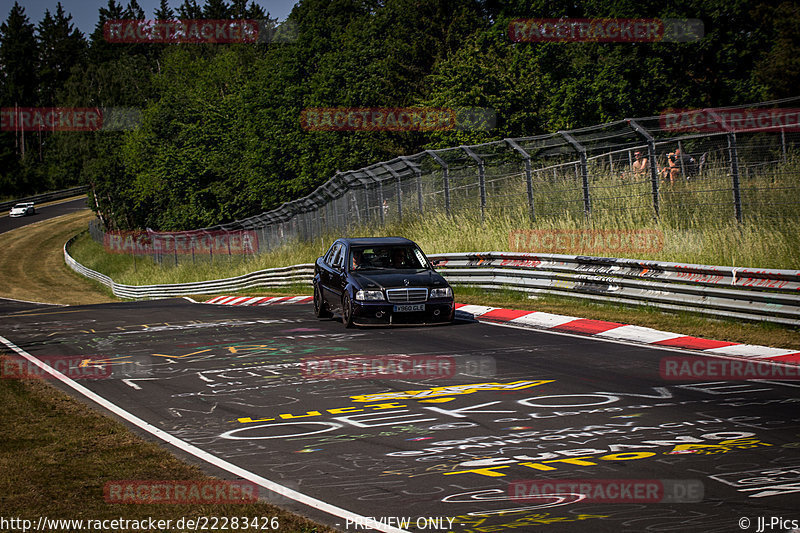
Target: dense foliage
x: 221, y: 137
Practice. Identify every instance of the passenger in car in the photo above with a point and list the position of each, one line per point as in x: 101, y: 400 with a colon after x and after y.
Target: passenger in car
x: 357, y: 260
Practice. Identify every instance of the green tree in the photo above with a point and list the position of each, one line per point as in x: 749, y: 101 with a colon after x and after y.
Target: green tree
x: 19, y: 88
x: 61, y: 47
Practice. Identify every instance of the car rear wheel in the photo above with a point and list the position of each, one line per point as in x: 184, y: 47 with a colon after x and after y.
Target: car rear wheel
x: 320, y: 307
x: 347, y: 311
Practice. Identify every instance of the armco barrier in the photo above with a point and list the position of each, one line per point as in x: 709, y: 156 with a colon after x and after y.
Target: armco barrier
x: 46, y: 197
x: 272, y: 277
x: 740, y: 293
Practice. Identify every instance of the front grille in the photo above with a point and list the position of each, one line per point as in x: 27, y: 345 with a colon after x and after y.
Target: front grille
x: 404, y: 296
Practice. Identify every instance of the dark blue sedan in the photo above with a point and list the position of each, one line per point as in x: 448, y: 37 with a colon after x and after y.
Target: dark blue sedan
x: 380, y: 280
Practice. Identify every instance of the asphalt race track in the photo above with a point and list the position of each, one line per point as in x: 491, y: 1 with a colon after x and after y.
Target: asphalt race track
x: 42, y: 213
x: 472, y: 437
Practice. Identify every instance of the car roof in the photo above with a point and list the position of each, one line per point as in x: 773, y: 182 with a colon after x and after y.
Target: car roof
x: 375, y: 241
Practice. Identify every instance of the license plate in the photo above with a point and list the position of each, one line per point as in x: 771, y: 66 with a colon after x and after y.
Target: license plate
x: 409, y: 308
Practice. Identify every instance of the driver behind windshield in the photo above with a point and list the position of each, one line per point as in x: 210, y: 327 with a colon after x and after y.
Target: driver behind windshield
x: 396, y: 257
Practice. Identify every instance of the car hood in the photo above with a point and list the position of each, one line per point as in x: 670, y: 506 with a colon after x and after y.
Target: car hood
x: 394, y: 279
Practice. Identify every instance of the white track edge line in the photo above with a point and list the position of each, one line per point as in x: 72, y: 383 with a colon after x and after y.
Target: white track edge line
x: 30, y: 301
x: 197, y: 452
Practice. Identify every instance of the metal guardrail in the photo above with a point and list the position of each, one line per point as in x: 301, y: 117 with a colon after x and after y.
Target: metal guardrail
x: 740, y: 293
x: 46, y: 197
x: 272, y: 277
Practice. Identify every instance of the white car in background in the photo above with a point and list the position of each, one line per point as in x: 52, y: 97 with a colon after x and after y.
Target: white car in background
x: 22, y: 209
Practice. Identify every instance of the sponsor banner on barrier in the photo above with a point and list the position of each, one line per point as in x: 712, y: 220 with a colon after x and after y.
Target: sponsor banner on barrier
x: 197, y: 31
x: 206, y: 492
x: 72, y: 366
x: 706, y: 368
x: 609, y: 242
x: 610, y: 490
x: 182, y: 242
x: 732, y: 119
x: 605, y: 30
x: 69, y: 118
x: 396, y: 119
x: 379, y: 367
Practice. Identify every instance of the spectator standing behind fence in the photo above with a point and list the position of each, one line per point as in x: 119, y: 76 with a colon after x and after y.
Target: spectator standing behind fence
x: 673, y: 168
x: 639, y: 167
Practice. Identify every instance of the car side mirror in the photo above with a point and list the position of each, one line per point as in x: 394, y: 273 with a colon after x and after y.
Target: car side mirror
x: 436, y: 262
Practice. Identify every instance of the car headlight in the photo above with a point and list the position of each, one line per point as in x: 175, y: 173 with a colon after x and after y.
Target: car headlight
x: 442, y: 293
x: 369, y: 295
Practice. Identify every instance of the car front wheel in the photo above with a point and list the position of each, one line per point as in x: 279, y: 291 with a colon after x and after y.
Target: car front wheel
x: 320, y: 307
x: 347, y: 311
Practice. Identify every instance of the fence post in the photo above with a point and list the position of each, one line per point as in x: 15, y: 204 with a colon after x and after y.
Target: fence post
x: 587, y: 200
x: 734, y: 159
x: 528, y: 178
x: 309, y: 217
x: 783, y: 144
x: 418, y: 174
x: 381, y: 200
x: 683, y: 167
x: 397, y: 178
x: 481, y: 179
x: 335, y: 211
x: 366, y: 203
x: 399, y: 198
x: 445, y: 178
x: 355, y: 206
x: 651, y: 156
x: 383, y: 203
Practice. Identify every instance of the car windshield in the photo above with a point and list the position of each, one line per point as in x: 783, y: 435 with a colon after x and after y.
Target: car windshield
x: 387, y: 257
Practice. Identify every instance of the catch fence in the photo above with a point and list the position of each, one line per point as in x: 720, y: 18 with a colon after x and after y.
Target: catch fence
x: 716, y: 168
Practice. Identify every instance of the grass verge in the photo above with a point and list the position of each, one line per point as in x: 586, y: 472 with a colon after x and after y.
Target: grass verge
x: 32, y: 264
x: 56, y: 455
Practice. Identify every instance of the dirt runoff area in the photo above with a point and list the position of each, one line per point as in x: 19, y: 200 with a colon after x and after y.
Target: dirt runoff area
x: 32, y: 264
